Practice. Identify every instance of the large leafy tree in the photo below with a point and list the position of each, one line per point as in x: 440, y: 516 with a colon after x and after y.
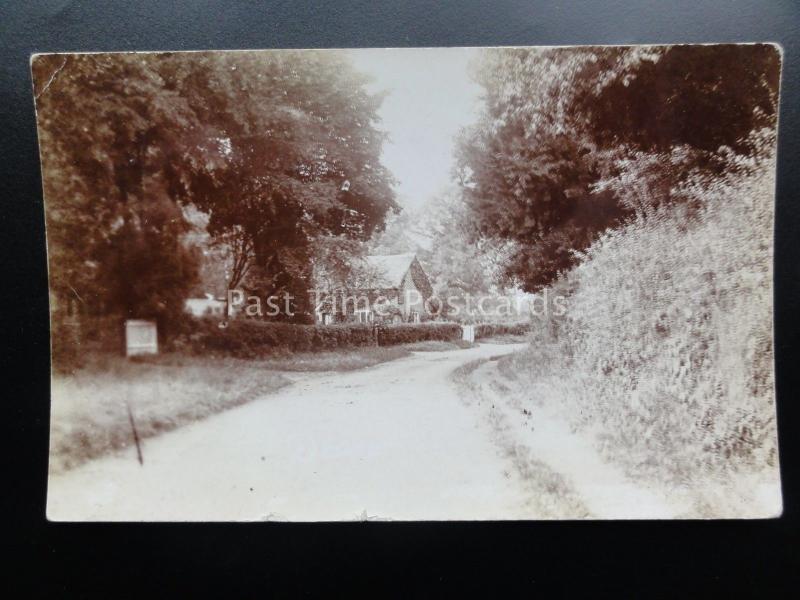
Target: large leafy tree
x: 460, y: 261
x: 703, y: 97
x: 566, y: 132
x: 298, y: 160
x: 527, y: 169
x: 111, y: 140
x: 277, y: 149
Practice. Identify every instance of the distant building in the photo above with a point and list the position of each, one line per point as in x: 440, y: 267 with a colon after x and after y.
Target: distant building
x: 392, y: 289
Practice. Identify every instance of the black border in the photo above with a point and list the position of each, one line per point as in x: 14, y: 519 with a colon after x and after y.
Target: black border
x: 659, y: 558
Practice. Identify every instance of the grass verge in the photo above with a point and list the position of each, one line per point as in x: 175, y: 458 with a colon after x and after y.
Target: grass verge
x: 437, y: 346
x: 89, y: 409
x: 89, y: 415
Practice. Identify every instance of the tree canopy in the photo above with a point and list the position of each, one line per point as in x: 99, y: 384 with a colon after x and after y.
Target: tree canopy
x: 537, y: 169
x: 276, y: 148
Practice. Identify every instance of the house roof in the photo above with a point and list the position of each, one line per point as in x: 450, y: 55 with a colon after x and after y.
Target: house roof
x: 390, y: 269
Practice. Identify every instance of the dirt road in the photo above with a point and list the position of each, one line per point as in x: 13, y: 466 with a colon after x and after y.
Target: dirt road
x: 395, y: 440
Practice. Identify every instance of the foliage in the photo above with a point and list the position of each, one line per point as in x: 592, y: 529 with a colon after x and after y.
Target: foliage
x: 402, y: 234
x: 341, y: 269
x: 562, y: 126
x: 485, y: 330
x: 250, y: 338
x: 112, y: 138
x: 146, y: 269
x: 527, y: 170
x: 419, y: 332
x: 299, y: 158
x: 277, y: 149
x: 459, y: 261
x: 665, y: 349
x: 704, y: 97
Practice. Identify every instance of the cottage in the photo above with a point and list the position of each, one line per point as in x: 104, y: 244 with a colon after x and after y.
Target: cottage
x: 390, y: 289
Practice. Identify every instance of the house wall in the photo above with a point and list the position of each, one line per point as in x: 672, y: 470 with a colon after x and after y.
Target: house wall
x: 410, y: 291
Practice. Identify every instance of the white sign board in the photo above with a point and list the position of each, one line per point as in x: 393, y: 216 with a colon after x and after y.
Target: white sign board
x: 468, y: 333
x: 141, y: 337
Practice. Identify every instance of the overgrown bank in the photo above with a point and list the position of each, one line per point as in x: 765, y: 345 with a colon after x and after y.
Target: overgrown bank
x: 665, y: 350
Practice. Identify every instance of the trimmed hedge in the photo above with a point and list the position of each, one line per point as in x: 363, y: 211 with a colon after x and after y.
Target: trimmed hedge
x: 484, y: 330
x: 389, y: 335
x: 248, y: 338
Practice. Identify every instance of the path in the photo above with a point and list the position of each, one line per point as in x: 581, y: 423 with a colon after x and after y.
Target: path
x: 601, y: 490
x: 393, y: 440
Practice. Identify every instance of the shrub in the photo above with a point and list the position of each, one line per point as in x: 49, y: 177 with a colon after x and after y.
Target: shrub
x: 484, y: 330
x: 252, y: 338
x: 666, y: 344
x: 249, y: 338
x: 418, y: 332
x: 73, y: 337
x: 66, y: 355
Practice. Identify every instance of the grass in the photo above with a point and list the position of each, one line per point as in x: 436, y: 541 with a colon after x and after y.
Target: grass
x: 461, y: 375
x: 550, y: 495
x: 665, y: 351
x: 89, y: 416
x: 506, y: 339
x: 343, y: 360
x: 437, y: 346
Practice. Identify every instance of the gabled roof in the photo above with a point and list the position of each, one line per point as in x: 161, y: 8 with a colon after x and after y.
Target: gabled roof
x: 390, y: 269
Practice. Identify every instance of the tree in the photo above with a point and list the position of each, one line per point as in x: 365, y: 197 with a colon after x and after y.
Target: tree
x: 111, y: 142
x: 573, y: 141
x: 277, y: 149
x: 401, y: 234
x: 299, y: 159
x: 459, y: 260
x: 680, y: 114
x: 704, y: 97
x: 146, y: 269
x: 527, y: 170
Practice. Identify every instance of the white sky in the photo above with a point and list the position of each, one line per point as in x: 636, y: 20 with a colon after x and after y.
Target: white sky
x: 431, y: 97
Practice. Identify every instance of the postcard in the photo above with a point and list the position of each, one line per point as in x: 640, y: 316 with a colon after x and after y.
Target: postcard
x: 523, y: 283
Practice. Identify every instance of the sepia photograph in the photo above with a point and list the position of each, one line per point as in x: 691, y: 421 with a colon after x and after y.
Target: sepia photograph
x: 422, y: 284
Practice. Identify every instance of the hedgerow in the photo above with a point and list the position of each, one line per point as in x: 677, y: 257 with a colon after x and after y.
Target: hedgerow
x: 251, y: 338
x: 665, y: 349
x: 484, y: 330
x: 390, y: 335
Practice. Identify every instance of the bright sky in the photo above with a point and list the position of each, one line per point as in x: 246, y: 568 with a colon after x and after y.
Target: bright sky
x: 431, y: 97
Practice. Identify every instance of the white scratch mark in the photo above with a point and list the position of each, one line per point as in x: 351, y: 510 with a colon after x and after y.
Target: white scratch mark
x: 50, y: 81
